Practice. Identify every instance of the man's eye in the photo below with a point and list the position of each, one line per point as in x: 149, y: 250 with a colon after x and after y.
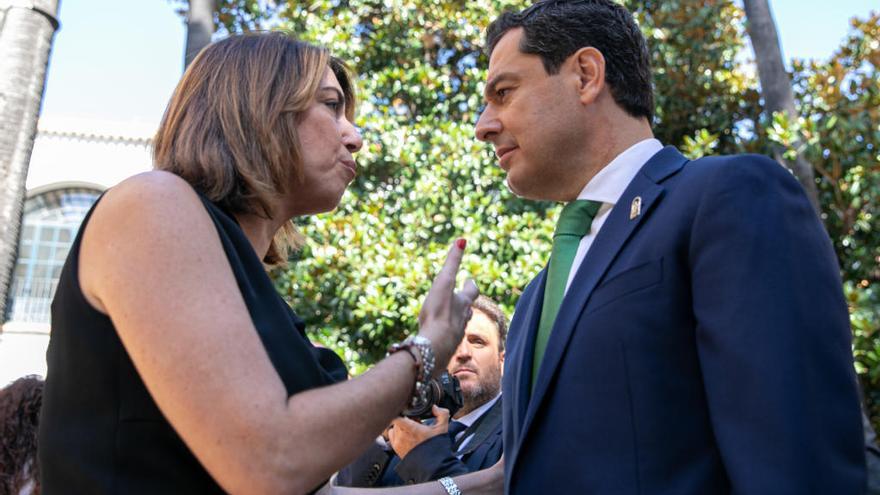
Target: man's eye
x: 501, y: 93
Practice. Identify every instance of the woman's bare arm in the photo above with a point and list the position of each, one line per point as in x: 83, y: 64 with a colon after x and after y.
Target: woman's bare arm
x: 489, y: 481
x: 151, y: 258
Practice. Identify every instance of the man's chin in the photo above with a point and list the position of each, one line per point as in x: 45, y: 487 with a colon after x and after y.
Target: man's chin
x: 512, y: 187
x: 469, y: 391
x: 522, y: 188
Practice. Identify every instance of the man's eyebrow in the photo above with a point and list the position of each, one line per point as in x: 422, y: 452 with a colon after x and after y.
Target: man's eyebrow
x: 490, y: 86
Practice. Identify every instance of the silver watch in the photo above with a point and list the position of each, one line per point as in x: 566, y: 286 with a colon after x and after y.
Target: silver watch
x: 450, y: 486
x: 423, y: 347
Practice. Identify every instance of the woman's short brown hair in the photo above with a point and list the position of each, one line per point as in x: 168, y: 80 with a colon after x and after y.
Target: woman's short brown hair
x: 230, y: 127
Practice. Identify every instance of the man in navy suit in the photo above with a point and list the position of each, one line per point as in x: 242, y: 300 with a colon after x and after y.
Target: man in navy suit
x: 689, y: 335
x: 416, y: 453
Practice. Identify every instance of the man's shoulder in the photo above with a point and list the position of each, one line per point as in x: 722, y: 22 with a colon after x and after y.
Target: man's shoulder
x: 749, y: 174
x: 733, y: 167
x: 706, y: 167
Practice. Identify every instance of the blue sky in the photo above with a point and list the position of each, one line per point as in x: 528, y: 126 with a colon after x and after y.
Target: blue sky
x: 119, y: 60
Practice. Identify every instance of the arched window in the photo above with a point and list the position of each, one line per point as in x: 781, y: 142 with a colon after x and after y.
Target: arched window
x: 49, y: 225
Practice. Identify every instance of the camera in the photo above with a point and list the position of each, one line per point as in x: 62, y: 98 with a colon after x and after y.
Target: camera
x: 445, y: 392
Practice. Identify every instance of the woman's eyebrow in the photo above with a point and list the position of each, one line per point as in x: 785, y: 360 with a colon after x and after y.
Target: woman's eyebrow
x: 335, y: 90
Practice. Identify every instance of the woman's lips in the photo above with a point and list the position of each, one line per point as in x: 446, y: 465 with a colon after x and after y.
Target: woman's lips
x: 351, y: 165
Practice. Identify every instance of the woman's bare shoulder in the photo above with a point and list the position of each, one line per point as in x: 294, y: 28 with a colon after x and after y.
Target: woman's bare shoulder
x: 155, y: 187
x: 151, y: 200
x: 148, y: 217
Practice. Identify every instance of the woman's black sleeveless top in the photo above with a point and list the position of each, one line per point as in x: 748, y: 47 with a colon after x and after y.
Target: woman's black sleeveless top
x: 100, y: 430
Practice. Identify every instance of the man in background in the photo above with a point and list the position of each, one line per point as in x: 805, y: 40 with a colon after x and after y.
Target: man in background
x: 416, y: 452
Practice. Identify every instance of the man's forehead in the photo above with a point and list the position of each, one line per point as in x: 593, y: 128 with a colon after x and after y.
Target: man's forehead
x: 482, y: 324
x: 506, y: 50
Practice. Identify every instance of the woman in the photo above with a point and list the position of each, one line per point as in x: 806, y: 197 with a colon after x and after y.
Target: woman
x: 19, y: 412
x: 174, y: 366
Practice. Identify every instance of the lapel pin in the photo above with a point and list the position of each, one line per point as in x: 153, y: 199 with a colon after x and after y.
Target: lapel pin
x: 635, y: 209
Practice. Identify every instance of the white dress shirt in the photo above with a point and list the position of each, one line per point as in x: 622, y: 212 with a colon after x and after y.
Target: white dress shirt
x: 606, y: 187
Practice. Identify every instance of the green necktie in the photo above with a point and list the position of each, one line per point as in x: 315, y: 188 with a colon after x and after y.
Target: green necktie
x: 574, y: 223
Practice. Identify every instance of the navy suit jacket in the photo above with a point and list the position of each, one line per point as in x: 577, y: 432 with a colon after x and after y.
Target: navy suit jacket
x: 434, y: 458
x: 703, y: 347
x: 429, y: 460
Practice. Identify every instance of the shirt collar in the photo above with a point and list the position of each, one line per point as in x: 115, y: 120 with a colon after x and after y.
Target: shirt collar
x: 608, y: 185
x: 469, y: 418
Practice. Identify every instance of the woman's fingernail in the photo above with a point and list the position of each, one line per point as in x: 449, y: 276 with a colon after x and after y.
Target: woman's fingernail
x: 461, y: 243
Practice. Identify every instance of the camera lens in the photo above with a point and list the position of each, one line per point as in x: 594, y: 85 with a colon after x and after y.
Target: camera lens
x: 444, y: 391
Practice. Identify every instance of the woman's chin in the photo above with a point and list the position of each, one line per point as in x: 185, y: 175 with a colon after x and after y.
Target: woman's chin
x: 317, y: 206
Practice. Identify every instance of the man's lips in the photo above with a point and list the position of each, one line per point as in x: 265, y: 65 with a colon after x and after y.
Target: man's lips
x: 464, y: 370
x: 503, y: 153
x: 500, y: 152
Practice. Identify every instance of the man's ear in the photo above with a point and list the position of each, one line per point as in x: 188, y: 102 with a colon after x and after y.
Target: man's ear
x: 588, y: 65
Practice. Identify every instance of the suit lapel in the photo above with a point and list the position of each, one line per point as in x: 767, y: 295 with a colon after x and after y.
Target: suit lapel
x: 616, y: 230
x: 522, y: 361
x: 518, y: 363
x: 488, y: 425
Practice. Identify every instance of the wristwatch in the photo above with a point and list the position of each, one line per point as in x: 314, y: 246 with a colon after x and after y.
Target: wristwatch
x: 450, y: 486
x: 420, y: 349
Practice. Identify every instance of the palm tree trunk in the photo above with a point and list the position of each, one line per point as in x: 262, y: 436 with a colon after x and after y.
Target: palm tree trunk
x: 199, y: 27
x: 776, y: 85
x: 26, y: 33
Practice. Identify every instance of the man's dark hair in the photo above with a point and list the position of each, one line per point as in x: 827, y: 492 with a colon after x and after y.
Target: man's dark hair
x: 495, y: 314
x: 555, y: 29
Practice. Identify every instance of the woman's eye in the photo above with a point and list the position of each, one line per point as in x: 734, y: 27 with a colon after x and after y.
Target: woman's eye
x: 501, y: 93
x: 334, y: 105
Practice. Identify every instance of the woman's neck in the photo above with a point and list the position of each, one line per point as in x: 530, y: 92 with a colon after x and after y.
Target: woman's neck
x: 259, y: 231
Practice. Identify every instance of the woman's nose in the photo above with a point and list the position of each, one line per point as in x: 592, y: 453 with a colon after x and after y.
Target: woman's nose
x: 351, y: 137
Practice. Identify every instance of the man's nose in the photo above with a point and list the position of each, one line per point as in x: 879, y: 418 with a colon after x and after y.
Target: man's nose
x: 488, y: 124
x: 463, y: 353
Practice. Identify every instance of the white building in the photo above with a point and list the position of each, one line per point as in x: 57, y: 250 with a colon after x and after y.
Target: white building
x: 73, y: 162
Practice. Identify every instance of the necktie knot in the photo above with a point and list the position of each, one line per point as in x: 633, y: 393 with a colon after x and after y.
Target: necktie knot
x: 576, y: 217
x: 456, y: 427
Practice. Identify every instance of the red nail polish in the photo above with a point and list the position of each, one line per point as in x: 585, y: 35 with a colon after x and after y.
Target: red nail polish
x: 461, y: 243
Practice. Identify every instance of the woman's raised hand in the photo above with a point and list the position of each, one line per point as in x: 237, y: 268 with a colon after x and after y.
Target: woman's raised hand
x: 446, y: 311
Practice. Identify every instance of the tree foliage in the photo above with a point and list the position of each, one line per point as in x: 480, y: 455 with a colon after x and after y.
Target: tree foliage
x: 840, y: 128
x: 236, y: 16
x: 706, y: 102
